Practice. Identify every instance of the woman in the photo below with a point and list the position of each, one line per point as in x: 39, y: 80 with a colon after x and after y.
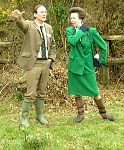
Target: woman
x: 81, y: 71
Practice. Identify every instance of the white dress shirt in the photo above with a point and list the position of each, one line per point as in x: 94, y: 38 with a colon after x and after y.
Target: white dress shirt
x: 45, y: 36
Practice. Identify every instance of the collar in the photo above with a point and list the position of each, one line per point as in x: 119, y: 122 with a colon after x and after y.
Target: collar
x: 84, y: 27
x: 76, y: 28
x: 38, y: 24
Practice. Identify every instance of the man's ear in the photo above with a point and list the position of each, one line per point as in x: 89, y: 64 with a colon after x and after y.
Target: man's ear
x: 35, y: 15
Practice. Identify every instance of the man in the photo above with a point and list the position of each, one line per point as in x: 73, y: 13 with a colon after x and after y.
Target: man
x: 37, y: 56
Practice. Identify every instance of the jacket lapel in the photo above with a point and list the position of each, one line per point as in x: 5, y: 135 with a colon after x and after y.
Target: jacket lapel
x: 47, y: 31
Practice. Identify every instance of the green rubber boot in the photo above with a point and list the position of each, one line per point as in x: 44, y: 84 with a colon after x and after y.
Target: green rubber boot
x: 25, y: 113
x: 39, y: 112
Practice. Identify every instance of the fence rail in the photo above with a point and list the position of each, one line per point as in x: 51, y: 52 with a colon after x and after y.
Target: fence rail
x: 7, y: 43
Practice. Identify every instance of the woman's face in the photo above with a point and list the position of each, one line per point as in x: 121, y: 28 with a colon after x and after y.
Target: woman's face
x: 75, y: 21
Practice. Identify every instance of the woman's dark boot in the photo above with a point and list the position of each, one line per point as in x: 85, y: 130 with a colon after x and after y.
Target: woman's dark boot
x: 80, y: 108
x: 102, y: 110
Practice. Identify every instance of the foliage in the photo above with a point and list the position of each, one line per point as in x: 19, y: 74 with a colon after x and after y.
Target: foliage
x: 34, y: 140
x: 108, y: 18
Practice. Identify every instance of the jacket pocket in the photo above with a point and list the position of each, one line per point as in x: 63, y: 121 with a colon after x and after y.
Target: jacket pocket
x: 26, y: 54
x: 76, y: 65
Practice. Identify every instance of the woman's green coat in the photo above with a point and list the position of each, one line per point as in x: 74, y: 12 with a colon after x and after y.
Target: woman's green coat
x: 81, y: 72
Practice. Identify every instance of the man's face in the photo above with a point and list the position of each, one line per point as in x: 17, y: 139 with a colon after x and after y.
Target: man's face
x: 75, y: 21
x: 41, y: 14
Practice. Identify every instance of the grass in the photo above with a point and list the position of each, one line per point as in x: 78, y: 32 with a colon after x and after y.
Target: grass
x: 62, y: 133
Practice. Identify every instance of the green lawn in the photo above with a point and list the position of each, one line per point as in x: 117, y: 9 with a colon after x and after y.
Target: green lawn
x: 63, y: 133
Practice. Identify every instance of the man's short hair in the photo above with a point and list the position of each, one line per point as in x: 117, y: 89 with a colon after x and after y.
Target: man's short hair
x: 81, y: 12
x: 36, y: 8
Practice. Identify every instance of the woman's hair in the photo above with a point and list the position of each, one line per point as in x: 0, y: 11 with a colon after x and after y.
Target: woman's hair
x: 81, y: 12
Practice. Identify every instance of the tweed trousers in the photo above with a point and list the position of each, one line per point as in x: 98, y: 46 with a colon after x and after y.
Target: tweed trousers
x: 37, y: 79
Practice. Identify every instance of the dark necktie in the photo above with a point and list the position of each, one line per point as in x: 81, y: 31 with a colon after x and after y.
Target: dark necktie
x: 43, y: 47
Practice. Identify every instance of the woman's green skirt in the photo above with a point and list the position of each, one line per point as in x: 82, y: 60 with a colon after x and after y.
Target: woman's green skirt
x: 83, y: 85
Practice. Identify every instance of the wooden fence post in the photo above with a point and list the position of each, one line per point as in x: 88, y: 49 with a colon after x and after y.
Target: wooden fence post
x: 105, y: 80
x: 111, y: 61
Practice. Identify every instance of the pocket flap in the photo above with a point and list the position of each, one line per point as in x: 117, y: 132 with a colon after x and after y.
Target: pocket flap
x: 71, y: 56
x: 25, y: 54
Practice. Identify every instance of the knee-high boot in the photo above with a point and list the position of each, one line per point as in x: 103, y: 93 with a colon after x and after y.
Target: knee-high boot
x: 39, y: 111
x: 80, y: 108
x: 25, y: 113
x: 102, y: 109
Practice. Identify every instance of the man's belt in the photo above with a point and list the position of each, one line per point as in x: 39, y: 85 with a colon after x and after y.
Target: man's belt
x: 41, y: 58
